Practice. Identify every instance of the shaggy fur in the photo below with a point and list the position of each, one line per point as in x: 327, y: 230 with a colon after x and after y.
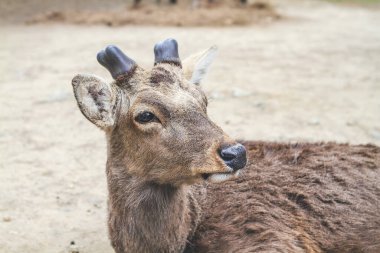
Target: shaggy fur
x: 296, y: 198
x: 290, y: 198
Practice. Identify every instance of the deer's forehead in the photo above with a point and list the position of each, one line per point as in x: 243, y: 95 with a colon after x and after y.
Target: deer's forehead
x: 166, y: 75
x: 174, y: 98
x: 163, y: 76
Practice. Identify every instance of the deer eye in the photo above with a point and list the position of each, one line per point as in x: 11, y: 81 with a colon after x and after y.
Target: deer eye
x: 145, y: 117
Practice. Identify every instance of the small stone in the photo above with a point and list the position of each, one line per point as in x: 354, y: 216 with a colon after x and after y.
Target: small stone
x: 73, y: 248
x: 216, y: 95
x: 7, y: 219
x: 375, y: 134
x: 314, y: 122
x: 47, y: 173
x: 240, y: 93
x: 260, y: 105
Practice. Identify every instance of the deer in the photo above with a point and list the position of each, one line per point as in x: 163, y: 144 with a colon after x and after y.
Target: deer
x: 178, y: 183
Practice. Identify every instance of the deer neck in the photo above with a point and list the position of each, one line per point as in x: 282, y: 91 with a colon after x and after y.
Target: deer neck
x: 148, y: 217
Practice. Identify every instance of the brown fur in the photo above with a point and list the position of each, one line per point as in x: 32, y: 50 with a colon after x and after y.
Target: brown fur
x: 290, y: 198
x: 296, y: 198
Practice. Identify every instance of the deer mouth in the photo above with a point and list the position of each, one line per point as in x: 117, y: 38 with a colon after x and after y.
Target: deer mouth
x: 219, y: 177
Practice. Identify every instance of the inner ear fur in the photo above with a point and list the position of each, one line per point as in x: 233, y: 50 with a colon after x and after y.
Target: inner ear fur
x: 96, y: 99
x: 195, y: 67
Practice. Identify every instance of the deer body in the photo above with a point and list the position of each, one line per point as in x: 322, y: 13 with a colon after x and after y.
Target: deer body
x: 296, y: 198
x: 291, y: 198
x: 165, y: 154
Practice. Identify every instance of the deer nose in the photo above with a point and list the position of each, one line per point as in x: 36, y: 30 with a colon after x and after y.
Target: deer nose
x: 234, y: 156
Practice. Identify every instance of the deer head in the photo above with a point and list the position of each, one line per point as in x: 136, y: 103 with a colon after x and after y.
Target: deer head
x: 156, y: 120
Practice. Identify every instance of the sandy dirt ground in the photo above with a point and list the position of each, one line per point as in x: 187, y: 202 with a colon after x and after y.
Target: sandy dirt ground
x: 314, y: 76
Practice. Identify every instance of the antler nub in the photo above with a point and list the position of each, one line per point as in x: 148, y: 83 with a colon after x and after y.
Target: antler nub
x: 117, y: 63
x: 167, y: 52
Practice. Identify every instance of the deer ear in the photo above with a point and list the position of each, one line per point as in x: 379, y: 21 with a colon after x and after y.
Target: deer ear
x: 96, y: 99
x: 196, y: 66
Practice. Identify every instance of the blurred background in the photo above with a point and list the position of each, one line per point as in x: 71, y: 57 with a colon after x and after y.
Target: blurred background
x: 289, y: 71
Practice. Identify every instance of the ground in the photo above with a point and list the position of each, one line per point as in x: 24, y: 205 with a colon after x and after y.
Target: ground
x: 312, y: 76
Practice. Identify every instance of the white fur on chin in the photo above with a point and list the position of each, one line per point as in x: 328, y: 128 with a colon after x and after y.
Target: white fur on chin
x: 221, y: 177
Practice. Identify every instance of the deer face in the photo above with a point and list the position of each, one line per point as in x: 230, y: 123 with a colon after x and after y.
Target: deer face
x: 156, y: 121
